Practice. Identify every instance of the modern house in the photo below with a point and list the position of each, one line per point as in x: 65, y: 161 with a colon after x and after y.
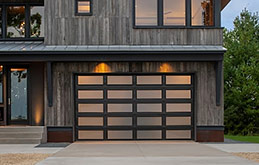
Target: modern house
x: 111, y: 70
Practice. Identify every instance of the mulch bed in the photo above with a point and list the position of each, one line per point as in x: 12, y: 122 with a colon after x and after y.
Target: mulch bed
x: 22, y: 159
x: 254, y: 156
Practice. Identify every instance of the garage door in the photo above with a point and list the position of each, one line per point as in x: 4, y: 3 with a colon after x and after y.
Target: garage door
x: 133, y: 107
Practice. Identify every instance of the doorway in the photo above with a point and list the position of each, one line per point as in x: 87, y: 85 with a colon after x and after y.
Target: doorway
x: 17, y: 111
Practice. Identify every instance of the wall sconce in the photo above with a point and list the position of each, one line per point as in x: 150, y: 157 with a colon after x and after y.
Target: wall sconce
x: 102, y: 68
x: 166, y: 67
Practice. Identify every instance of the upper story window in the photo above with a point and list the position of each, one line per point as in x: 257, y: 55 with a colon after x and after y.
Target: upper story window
x: 83, y: 7
x: 22, y: 22
x: 202, y: 13
x: 173, y: 13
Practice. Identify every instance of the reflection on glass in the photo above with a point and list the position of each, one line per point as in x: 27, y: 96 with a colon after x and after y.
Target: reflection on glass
x: 174, y: 12
x: 15, y: 21
x: 19, y: 94
x: 0, y: 22
x: 1, y: 84
x: 37, y: 21
x: 202, y: 13
x: 83, y: 6
x: 146, y: 12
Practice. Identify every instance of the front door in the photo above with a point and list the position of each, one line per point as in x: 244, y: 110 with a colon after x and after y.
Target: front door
x: 17, y: 96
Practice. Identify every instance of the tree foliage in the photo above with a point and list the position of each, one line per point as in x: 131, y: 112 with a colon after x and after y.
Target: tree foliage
x: 241, y: 74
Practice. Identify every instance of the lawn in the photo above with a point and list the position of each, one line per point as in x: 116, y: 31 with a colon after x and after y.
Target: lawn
x: 251, y: 139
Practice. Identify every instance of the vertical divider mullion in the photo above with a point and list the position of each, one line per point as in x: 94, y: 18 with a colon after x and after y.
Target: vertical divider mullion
x: 27, y: 21
x: 134, y: 117
x: 105, y: 131
x: 188, y: 13
x: 164, y: 107
x: 4, y: 21
x: 160, y: 10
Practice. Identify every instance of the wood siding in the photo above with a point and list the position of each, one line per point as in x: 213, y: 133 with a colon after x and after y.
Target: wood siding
x: 206, y: 111
x: 112, y: 24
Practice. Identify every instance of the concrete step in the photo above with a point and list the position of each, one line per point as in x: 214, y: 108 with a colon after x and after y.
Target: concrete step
x: 20, y: 135
x: 22, y: 129
x: 20, y: 140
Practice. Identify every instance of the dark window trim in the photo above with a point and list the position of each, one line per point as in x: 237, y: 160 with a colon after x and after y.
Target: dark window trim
x: 188, y: 17
x: 84, y: 14
x: 27, y: 22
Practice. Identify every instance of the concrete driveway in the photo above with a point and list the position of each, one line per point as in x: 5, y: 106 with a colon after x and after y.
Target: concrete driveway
x: 142, y: 153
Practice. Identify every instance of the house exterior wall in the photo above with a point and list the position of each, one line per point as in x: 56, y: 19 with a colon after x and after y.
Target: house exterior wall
x: 112, y: 24
x: 206, y: 111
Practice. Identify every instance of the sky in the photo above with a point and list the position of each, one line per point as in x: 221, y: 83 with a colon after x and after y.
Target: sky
x: 233, y: 9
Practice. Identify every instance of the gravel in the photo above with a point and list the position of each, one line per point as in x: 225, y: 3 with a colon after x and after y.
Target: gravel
x: 254, y: 156
x: 22, y: 159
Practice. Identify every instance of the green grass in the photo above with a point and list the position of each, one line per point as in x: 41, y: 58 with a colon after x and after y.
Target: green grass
x: 251, y: 139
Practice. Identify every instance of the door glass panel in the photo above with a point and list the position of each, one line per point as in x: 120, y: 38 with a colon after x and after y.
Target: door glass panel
x: 1, y: 84
x: 174, y: 12
x: 90, y: 80
x: 178, y: 107
x: 19, y: 94
x: 149, y: 107
x: 119, y: 80
x: 119, y: 94
x: 119, y: 134
x: 149, y: 134
x: 145, y: 80
x: 119, y: 121
x: 178, y: 134
x: 98, y: 108
x: 149, y: 121
x: 119, y: 107
x: 178, y: 120
x: 178, y: 80
x: 90, y: 134
x: 15, y: 21
x: 178, y: 94
x: 149, y: 94
x: 90, y: 94
x: 90, y: 121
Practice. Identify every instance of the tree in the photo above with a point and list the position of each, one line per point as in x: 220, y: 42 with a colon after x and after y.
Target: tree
x: 241, y: 74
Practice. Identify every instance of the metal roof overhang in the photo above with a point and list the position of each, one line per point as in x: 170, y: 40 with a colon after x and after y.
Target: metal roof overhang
x: 38, y: 52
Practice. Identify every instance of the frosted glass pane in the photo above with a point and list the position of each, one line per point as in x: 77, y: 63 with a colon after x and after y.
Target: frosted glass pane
x: 90, y: 121
x: 90, y: 134
x: 149, y: 80
x: 119, y: 94
x: 178, y: 134
x: 178, y: 80
x: 149, y: 121
x: 123, y: 80
x: 179, y: 107
x: 83, y: 6
x: 119, y: 121
x: 90, y: 80
x: 174, y: 12
x: 90, y: 94
x: 149, y: 108
x: 90, y: 108
x: 178, y: 94
x: 178, y: 120
x: 149, y: 94
x: 119, y: 107
x: 149, y: 134
x: 119, y: 134
x: 146, y: 12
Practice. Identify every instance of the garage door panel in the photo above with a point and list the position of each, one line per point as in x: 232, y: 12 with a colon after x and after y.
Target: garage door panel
x: 134, y: 107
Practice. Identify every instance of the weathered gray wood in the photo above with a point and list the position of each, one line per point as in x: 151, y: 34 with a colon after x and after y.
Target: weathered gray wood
x: 206, y: 111
x: 111, y: 24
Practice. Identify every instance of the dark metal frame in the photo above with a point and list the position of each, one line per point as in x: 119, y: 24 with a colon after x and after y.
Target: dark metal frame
x: 9, y: 121
x: 27, y: 22
x: 188, y: 17
x: 84, y: 14
x: 134, y: 114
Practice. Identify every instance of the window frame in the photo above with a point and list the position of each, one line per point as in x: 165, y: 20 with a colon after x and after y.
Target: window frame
x: 27, y: 36
x: 188, y: 17
x: 84, y: 14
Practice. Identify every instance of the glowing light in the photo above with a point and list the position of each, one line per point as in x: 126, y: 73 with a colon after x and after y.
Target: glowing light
x: 165, y: 67
x: 102, y: 68
x: 38, y: 115
x: 1, y: 67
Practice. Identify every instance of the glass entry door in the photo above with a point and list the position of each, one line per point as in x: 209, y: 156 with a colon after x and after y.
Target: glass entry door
x: 18, y: 96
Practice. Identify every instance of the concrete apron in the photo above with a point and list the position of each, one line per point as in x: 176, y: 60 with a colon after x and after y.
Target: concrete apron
x: 142, y: 153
